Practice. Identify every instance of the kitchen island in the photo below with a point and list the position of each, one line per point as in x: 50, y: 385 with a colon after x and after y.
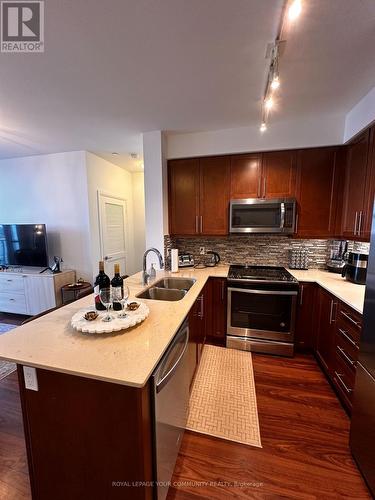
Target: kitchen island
x: 89, y: 426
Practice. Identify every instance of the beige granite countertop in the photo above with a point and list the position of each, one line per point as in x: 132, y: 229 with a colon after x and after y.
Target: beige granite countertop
x: 130, y: 357
x: 350, y: 293
x: 127, y: 357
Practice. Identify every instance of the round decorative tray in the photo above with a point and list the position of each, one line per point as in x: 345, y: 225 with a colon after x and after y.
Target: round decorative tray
x: 99, y: 326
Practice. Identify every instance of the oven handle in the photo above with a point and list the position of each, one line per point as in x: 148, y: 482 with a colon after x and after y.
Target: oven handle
x: 262, y: 292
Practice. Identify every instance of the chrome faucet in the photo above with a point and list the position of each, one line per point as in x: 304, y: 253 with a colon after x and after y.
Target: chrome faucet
x: 145, y: 275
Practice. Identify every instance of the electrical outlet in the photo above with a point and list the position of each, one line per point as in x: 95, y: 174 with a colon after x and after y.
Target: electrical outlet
x: 202, y: 250
x: 30, y: 377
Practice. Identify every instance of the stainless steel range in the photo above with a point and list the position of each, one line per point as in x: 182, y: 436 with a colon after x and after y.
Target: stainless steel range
x: 261, y: 309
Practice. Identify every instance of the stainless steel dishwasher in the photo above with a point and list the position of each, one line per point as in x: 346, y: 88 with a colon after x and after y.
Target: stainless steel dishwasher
x: 171, y: 381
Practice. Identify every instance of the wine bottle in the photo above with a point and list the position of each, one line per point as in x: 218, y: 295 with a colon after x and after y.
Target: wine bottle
x: 101, y: 281
x: 117, y: 288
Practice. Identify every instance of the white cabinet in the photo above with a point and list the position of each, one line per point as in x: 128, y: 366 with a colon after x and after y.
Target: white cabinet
x: 32, y: 293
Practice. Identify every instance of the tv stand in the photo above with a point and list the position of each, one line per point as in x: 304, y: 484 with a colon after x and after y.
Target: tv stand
x: 27, y: 291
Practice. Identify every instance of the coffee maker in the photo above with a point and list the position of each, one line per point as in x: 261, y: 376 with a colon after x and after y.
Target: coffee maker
x: 336, y: 262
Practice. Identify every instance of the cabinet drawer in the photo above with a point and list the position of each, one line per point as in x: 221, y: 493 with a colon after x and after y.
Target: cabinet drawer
x: 350, y: 321
x: 344, y: 378
x: 13, y: 303
x: 346, y: 351
x: 11, y: 284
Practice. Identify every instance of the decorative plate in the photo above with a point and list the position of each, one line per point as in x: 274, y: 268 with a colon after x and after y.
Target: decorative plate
x: 79, y: 323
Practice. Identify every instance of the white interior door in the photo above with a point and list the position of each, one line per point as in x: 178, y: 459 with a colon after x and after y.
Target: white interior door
x: 113, y: 229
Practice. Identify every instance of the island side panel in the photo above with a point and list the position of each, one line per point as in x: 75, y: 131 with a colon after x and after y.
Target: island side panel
x: 85, y: 437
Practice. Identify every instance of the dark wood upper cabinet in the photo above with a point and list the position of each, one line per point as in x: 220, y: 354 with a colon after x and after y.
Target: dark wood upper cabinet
x: 370, y: 187
x: 319, y: 187
x: 184, y: 196
x: 214, y: 195
x: 279, y: 174
x: 353, y: 215
x: 245, y: 176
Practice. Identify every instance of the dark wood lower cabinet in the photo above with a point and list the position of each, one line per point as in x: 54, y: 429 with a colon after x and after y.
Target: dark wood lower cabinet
x: 332, y: 330
x: 327, y: 310
x: 84, y: 436
x: 216, y: 333
x: 305, y: 339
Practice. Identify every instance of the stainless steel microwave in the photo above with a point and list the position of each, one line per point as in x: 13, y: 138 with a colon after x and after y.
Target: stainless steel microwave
x: 255, y: 215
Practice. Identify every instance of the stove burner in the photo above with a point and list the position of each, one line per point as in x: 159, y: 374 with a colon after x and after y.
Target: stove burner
x: 260, y: 273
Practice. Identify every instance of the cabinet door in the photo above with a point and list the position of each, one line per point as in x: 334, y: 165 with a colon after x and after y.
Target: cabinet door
x: 318, y: 189
x: 325, y: 331
x: 183, y: 196
x: 219, y: 311
x: 305, y: 328
x: 370, y: 189
x: 40, y: 294
x: 279, y: 174
x: 355, y: 183
x: 214, y: 195
x: 245, y: 176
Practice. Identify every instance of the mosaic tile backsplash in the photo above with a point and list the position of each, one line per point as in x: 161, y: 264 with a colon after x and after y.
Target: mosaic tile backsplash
x: 269, y: 250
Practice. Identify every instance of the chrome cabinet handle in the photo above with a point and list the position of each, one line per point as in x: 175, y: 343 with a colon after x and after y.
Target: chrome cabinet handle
x: 355, y: 223
x: 339, y: 378
x: 330, y: 314
x: 259, y: 187
x: 297, y: 220
x: 301, y: 296
x: 196, y: 224
x: 9, y: 281
x: 360, y: 223
x: 348, y: 338
x: 222, y: 290
x: 345, y: 356
x: 264, y: 187
x: 350, y: 319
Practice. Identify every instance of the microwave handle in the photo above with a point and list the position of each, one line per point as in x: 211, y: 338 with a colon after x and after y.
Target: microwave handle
x: 282, y: 215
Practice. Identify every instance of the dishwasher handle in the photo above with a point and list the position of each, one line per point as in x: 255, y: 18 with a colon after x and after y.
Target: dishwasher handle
x: 169, y: 374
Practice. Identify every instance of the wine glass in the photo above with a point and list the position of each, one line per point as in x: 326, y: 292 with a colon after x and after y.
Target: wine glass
x: 123, y: 300
x: 106, y: 299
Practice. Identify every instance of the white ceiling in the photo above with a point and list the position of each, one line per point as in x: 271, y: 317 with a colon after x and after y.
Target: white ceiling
x: 114, y: 69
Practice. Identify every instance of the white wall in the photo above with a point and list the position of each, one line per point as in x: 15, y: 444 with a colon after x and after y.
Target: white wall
x: 112, y: 180
x: 50, y: 189
x: 322, y: 130
x: 138, y: 183
x: 156, y: 196
x: 360, y: 116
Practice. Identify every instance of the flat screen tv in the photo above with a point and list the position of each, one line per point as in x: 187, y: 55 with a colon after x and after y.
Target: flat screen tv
x: 23, y: 245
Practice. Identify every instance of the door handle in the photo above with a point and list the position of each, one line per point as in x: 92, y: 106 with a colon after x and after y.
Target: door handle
x: 264, y: 187
x: 331, y: 320
x: 196, y: 224
x: 201, y: 223
x: 164, y: 380
x: 106, y: 257
x: 301, y: 296
x: 340, y: 379
x: 355, y: 223
x: 345, y: 356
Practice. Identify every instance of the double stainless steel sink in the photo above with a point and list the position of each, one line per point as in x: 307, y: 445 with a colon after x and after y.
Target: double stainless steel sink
x: 171, y: 289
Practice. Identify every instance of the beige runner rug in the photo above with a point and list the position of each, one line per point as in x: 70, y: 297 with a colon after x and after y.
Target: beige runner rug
x: 223, y: 400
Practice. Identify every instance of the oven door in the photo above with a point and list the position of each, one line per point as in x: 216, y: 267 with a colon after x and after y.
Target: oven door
x: 262, y: 314
x: 262, y: 216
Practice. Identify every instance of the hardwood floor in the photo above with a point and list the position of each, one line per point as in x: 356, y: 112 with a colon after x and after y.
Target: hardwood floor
x: 14, y: 478
x: 12, y: 319
x: 304, y: 433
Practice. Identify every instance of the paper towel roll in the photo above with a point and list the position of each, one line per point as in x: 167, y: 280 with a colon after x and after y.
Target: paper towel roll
x: 174, y: 260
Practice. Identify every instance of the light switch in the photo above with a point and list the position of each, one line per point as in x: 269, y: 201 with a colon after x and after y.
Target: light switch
x: 31, y: 380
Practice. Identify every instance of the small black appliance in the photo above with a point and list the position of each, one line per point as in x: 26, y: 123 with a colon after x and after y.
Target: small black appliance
x: 355, y: 269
